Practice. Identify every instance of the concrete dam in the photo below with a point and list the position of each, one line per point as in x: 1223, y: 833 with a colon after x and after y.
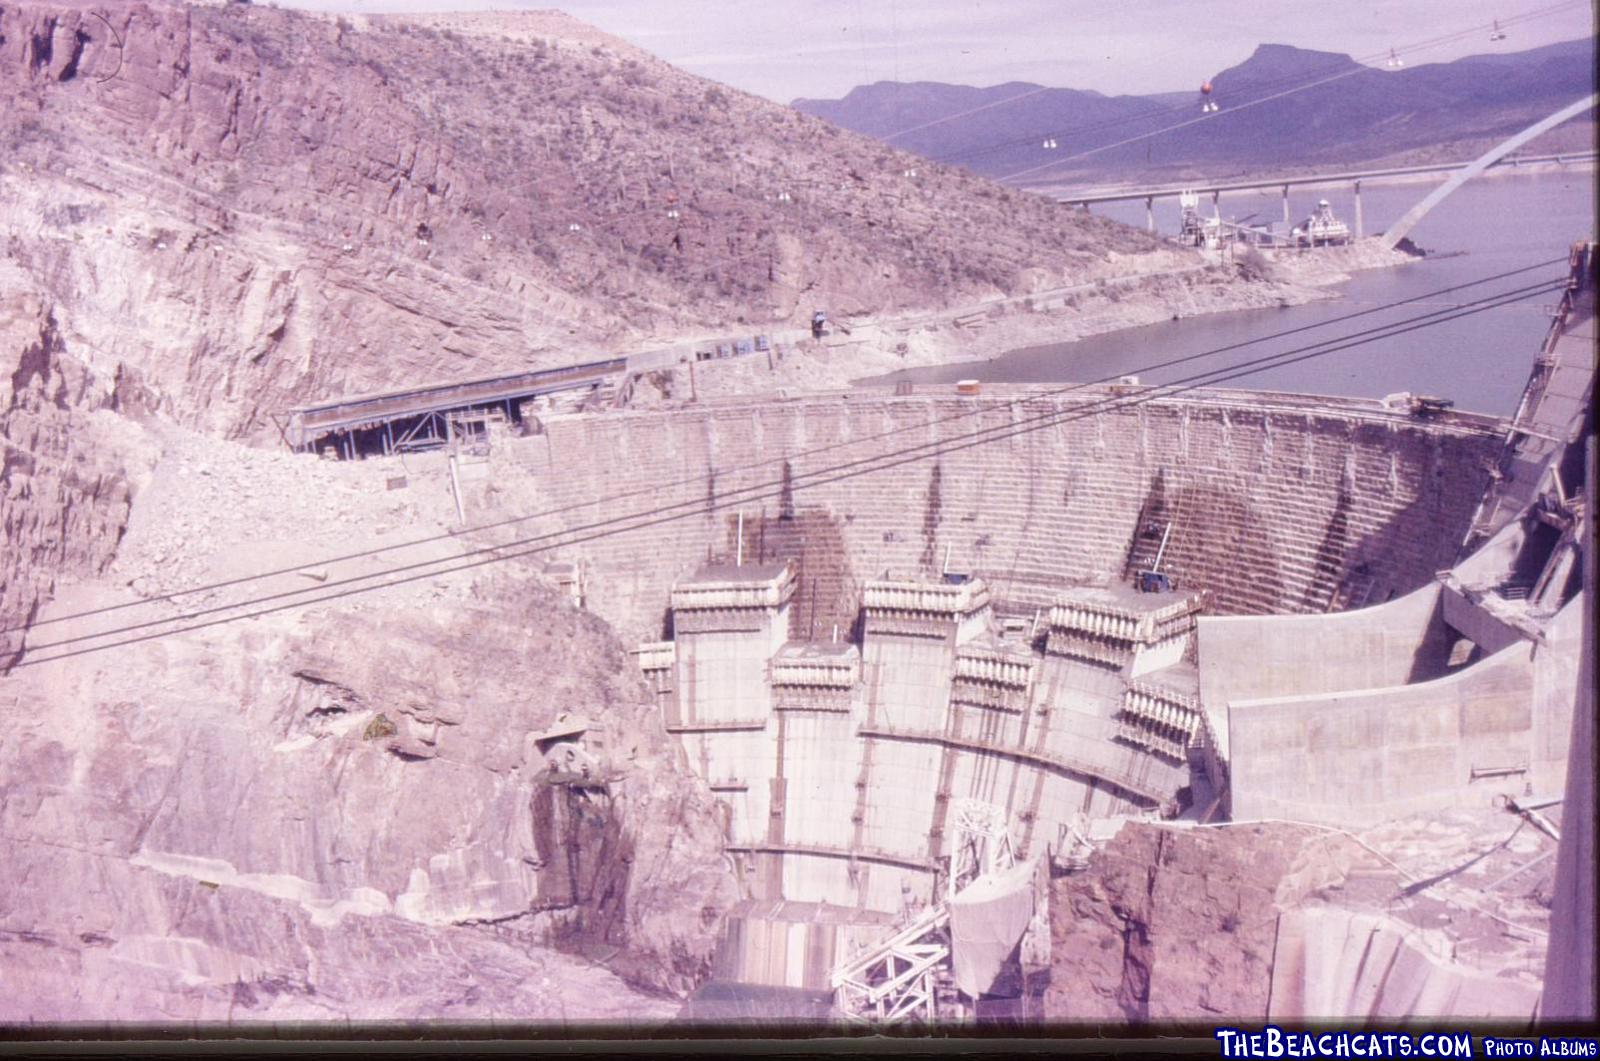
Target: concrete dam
x: 931, y: 651
x: 1275, y: 503
x: 851, y: 662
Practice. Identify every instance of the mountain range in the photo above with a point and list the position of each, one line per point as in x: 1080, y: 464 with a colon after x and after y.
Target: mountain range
x: 1282, y: 108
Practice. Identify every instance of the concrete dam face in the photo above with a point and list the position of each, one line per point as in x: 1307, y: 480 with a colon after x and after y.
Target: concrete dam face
x: 1271, y: 503
x: 858, y: 652
x: 854, y: 651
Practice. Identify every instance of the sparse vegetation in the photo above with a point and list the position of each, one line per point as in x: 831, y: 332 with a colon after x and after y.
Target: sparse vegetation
x: 379, y: 728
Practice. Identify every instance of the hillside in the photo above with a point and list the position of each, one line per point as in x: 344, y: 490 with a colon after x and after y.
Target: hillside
x: 251, y: 206
x: 1372, y: 113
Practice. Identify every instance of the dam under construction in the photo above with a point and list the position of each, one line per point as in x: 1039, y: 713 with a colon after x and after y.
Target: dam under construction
x: 508, y: 538
x: 921, y: 694
x: 923, y: 706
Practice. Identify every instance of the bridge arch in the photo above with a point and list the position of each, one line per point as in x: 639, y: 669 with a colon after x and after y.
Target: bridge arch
x: 1402, y: 228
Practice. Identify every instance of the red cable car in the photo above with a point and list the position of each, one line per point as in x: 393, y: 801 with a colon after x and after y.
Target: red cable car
x: 1207, y: 104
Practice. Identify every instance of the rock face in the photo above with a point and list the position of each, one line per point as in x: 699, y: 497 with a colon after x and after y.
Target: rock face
x: 65, y: 467
x: 210, y: 214
x: 338, y: 815
x: 1168, y: 926
x: 1440, y: 915
x: 248, y: 207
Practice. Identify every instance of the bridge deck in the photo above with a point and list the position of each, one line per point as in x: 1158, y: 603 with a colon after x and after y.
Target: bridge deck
x: 1204, y: 187
x: 310, y: 422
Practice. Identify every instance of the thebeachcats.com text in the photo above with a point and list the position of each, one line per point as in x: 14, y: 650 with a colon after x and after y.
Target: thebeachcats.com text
x: 1275, y: 1042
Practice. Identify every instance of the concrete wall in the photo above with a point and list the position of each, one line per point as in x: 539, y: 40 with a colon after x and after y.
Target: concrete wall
x: 722, y: 664
x: 1569, y: 978
x: 876, y: 773
x: 1276, y: 501
x: 1336, y: 964
x: 1364, y: 755
x: 1354, y: 758
x: 1246, y: 657
x: 1252, y: 657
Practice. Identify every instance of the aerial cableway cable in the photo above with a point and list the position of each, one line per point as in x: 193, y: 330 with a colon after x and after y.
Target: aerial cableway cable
x: 772, y: 489
x: 1254, y: 85
x: 1364, y: 63
x: 774, y: 461
x: 776, y: 488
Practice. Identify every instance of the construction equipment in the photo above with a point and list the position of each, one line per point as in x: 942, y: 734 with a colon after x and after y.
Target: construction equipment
x: 574, y: 751
x: 1154, y: 582
x: 1423, y: 405
x: 982, y: 843
x: 1194, y: 230
x: 1321, y: 229
x: 905, y: 976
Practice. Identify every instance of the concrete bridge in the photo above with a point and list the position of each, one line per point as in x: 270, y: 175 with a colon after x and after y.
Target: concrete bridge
x: 1352, y: 177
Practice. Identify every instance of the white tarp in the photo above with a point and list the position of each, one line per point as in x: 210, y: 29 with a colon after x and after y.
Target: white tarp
x: 987, y: 919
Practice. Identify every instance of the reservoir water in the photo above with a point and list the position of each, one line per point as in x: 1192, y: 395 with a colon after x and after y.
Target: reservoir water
x: 1489, y: 226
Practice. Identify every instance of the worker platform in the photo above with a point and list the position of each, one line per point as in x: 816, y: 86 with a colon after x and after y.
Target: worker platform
x: 397, y: 420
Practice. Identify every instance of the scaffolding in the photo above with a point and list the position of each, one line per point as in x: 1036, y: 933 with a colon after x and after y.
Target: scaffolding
x: 896, y: 981
x: 906, y: 977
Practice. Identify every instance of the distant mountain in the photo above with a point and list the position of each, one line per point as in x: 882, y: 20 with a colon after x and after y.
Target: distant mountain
x: 1359, y: 113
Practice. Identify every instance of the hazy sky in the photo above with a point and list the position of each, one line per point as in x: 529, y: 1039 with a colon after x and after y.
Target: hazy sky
x: 822, y: 48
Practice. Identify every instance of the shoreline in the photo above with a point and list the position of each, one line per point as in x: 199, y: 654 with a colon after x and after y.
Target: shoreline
x: 980, y: 332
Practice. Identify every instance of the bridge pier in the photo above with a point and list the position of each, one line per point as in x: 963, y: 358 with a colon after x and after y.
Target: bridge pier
x: 1216, y: 204
x: 1150, y: 214
x: 1285, y: 204
x: 1360, y: 231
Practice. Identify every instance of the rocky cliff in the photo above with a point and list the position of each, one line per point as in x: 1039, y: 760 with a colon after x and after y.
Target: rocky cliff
x: 67, y: 463
x: 343, y: 815
x: 210, y: 214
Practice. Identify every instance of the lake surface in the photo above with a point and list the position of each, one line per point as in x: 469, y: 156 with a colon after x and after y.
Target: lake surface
x: 1480, y: 361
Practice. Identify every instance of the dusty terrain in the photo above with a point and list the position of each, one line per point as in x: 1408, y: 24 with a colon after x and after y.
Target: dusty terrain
x: 868, y: 346
x: 249, y: 206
